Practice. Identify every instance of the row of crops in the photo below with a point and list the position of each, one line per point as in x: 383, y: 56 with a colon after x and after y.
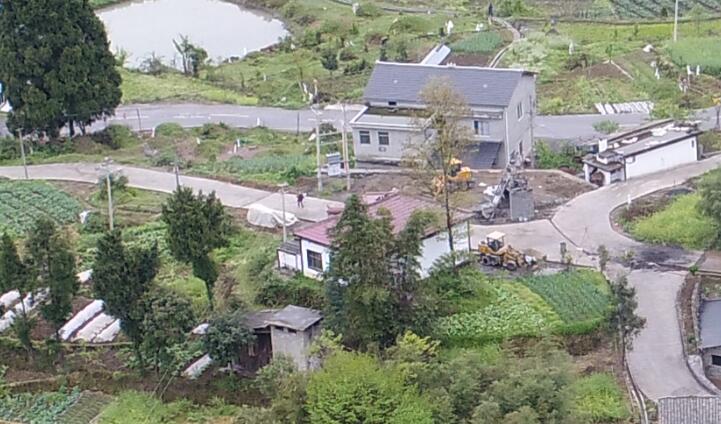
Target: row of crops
x: 662, y: 8
x: 573, y: 302
x: 23, y: 202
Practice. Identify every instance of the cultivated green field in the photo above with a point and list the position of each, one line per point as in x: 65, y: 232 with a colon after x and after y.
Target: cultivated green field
x: 22, y: 202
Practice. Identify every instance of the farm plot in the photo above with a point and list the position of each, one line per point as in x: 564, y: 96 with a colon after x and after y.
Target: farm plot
x: 515, y: 311
x: 22, y: 202
x: 37, y: 408
x: 580, y: 298
x: 572, y: 302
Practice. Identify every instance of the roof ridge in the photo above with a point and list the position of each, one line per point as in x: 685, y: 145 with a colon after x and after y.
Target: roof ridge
x: 429, y: 65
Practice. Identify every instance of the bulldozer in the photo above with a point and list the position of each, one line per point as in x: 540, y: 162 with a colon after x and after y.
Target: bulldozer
x: 495, y: 252
x: 459, y: 177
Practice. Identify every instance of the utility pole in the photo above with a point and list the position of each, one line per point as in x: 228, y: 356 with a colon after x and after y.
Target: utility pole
x: 110, y: 201
x: 282, y: 202
x: 346, y: 150
x: 22, y: 153
x: 319, y: 174
x: 675, y: 23
x: 140, y: 124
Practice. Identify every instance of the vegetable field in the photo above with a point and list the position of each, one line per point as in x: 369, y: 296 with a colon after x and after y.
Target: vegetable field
x: 662, y: 8
x: 22, y: 202
x: 40, y: 408
x: 481, y: 42
x: 572, y: 302
x: 702, y: 52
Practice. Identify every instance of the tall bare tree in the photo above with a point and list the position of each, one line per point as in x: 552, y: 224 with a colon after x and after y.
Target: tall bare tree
x: 445, y: 138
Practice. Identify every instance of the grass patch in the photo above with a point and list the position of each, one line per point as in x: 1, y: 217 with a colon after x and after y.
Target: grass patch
x: 142, y: 88
x: 139, y: 407
x: 680, y: 223
x: 598, y: 399
x: 480, y: 42
x: 703, y: 52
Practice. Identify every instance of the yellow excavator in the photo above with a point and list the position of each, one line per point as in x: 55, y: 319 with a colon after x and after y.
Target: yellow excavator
x: 459, y: 177
x: 495, y: 252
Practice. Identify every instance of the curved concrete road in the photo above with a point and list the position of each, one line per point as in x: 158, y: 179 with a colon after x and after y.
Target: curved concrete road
x: 656, y: 361
x: 231, y: 195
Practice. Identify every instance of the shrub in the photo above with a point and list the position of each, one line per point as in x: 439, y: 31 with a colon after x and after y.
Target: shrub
x: 598, y: 399
x: 299, y: 290
x: 9, y: 148
x: 118, y: 183
x: 481, y: 42
x: 346, y: 54
x: 606, y: 126
x: 546, y: 158
x: 368, y: 10
x: 169, y: 129
x: 114, y: 136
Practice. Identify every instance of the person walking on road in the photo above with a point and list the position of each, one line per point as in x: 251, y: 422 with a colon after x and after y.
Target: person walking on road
x: 300, y: 198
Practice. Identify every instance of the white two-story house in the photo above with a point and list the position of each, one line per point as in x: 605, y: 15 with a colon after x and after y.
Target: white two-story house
x: 501, y: 102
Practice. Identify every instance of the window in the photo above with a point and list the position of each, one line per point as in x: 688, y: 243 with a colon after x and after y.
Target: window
x: 315, y: 261
x: 519, y: 110
x: 716, y: 360
x: 383, y: 138
x: 392, y: 103
x: 365, y: 137
x: 482, y: 127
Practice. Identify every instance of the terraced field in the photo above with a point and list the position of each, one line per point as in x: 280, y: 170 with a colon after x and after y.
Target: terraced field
x: 22, y: 202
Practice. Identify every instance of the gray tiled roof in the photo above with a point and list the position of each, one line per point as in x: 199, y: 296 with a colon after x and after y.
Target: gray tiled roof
x: 710, y: 324
x: 403, y: 82
x: 689, y: 410
x: 295, y: 317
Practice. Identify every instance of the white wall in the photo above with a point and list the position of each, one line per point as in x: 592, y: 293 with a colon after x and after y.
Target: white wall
x: 662, y: 158
x: 292, y: 344
x: 436, y: 246
x: 306, y: 245
x: 289, y: 261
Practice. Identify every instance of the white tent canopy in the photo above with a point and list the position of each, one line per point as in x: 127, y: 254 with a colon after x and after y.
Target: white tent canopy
x: 266, y: 217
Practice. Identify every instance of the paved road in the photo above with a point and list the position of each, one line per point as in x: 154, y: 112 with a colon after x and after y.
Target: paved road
x: 576, y: 128
x: 657, y: 361
x: 230, y: 194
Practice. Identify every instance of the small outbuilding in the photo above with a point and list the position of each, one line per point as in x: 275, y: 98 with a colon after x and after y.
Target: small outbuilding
x: 710, y: 331
x: 651, y: 148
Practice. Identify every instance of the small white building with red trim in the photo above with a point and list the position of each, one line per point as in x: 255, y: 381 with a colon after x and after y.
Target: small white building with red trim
x: 309, y: 252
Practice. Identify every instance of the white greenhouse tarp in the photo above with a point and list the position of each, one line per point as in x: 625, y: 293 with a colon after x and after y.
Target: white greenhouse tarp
x: 80, y: 319
x: 266, y: 217
x: 9, y: 298
x: 30, y: 302
x: 196, y: 369
x: 94, y: 327
x: 109, y: 334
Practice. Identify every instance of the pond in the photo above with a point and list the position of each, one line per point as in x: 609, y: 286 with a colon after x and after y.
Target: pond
x: 224, y: 30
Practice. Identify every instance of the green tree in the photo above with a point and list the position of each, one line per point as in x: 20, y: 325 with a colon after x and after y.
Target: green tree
x: 122, y: 278
x: 62, y: 284
x: 329, y: 60
x: 623, y: 317
x: 55, y: 65
x: 710, y: 190
x: 196, y: 226
x: 360, y: 303
x: 227, y: 335
x: 192, y: 57
x: 14, y: 275
x: 448, y: 141
x: 168, y: 320
x: 372, y: 284
x: 354, y: 388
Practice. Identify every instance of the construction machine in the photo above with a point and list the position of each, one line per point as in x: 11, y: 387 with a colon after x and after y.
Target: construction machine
x: 459, y: 177
x: 495, y: 252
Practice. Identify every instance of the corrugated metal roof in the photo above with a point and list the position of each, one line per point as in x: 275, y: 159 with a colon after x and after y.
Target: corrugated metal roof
x: 710, y: 324
x: 403, y: 83
x: 400, y: 207
x: 689, y: 410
